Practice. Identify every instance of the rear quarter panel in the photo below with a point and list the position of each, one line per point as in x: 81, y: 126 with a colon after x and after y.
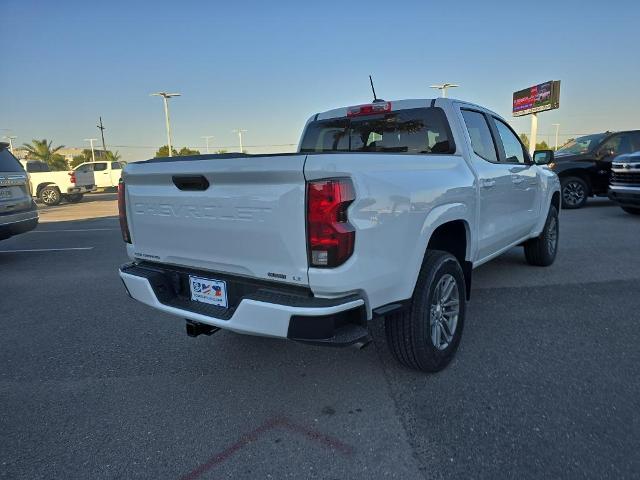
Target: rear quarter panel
x: 400, y: 201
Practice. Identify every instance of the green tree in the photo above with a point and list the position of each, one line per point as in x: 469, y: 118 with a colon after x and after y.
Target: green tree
x: 42, y: 150
x: 112, y: 156
x: 77, y: 160
x: 163, y: 151
x: 539, y: 146
x: 185, y: 151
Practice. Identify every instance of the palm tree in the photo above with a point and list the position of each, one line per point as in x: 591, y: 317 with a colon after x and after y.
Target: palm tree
x: 112, y: 156
x: 41, y: 150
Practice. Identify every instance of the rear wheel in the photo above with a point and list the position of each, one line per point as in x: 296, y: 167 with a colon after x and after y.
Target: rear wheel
x: 541, y: 251
x: 632, y: 210
x: 426, y: 334
x: 75, y: 197
x: 574, y: 192
x: 50, y: 195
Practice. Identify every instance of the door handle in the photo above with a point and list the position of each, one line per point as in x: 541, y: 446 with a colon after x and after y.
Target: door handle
x: 488, y: 183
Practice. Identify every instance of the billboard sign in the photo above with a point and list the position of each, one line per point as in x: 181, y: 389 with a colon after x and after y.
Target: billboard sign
x: 545, y: 96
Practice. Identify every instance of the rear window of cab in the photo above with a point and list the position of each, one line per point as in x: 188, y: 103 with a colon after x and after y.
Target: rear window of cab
x: 415, y: 131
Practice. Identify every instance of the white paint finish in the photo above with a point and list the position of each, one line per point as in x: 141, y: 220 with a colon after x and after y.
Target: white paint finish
x: 104, y: 175
x: 251, y: 317
x: 250, y: 221
x: 400, y: 201
x: 62, y: 180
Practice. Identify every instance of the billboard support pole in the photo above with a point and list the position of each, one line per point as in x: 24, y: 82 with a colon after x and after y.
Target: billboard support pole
x: 534, y: 133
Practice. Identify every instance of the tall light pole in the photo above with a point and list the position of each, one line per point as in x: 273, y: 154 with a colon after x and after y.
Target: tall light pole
x: 443, y: 87
x: 557, y: 125
x: 11, y: 138
x: 240, y: 131
x: 93, y: 154
x: 166, y: 96
x: 207, y: 137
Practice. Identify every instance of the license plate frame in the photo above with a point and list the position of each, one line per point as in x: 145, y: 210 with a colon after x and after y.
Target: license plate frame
x: 209, y: 291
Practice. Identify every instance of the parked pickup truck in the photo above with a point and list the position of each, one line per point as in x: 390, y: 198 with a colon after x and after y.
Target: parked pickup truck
x: 584, y: 164
x: 625, y: 182
x: 106, y: 174
x: 384, y: 211
x: 53, y: 187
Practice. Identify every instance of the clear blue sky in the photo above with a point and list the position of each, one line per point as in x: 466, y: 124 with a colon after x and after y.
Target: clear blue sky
x: 266, y: 66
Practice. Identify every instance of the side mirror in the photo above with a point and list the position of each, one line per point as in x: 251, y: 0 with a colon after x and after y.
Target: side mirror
x: 543, y: 157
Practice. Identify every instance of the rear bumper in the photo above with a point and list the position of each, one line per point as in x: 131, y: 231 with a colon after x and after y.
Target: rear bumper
x: 263, y: 311
x: 16, y: 223
x: 625, y: 196
x: 80, y: 189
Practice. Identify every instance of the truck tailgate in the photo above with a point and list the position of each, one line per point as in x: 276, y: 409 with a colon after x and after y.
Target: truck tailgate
x: 249, y: 221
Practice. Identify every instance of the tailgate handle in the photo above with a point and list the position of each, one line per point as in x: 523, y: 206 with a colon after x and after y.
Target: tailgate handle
x: 190, y: 182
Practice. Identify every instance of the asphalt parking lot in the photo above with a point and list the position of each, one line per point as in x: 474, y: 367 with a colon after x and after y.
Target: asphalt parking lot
x: 95, y: 385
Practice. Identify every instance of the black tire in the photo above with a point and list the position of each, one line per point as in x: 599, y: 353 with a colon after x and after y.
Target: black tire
x: 542, y: 250
x: 574, y: 192
x: 632, y: 210
x: 410, y: 332
x: 75, y: 197
x: 50, y: 195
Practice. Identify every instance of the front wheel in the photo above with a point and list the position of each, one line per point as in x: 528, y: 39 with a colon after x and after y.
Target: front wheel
x: 632, y: 210
x: 574, y: 192
x: 425, y: 335
x: 541, y: 251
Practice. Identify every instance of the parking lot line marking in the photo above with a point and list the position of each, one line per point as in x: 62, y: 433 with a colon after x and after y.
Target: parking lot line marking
x: 76, y: 230
x: 277, y: 422
x: 47, y: 250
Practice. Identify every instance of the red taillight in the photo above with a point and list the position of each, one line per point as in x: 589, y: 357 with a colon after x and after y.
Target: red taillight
x: 369, y: 109
x: 330, y: 236
x: 122, y: 213
x: 73, y: 177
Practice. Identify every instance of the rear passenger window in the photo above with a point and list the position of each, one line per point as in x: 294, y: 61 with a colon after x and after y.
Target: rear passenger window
x: 513, y: 149
x: 99, y: 167
x: 8, y: 162
x: 480, y: 135
x: 415, y: 130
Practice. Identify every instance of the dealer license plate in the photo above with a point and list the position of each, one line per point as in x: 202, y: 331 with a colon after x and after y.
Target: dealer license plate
x: 204, y: 290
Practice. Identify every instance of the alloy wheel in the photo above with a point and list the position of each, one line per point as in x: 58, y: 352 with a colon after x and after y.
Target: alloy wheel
x: 573, y: 193
x: 444, y: 312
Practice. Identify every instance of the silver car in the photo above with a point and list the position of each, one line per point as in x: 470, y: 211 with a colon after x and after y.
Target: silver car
x: 18, y: 212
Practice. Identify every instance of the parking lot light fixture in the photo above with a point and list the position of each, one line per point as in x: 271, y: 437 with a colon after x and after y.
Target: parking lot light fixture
x: 443, y: 87
x: 165, y: 96
x: 11, y: 138
x: 557, y: 125
x: 93, y: 154
x: 240, y: 131
x: 207, y: 138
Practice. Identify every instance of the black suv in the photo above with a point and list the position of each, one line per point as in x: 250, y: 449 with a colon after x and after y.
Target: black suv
x: 18, y: 213
x: 584, y: 164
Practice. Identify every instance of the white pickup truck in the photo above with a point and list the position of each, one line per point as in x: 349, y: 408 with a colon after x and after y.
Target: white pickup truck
x: 385, y: 210
x: 52, y: 187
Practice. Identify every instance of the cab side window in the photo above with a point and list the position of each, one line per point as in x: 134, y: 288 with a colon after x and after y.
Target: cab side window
x: 480, y: 135
x: 99, y: 167
x: 617, y: 145
x: 513, y: 149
